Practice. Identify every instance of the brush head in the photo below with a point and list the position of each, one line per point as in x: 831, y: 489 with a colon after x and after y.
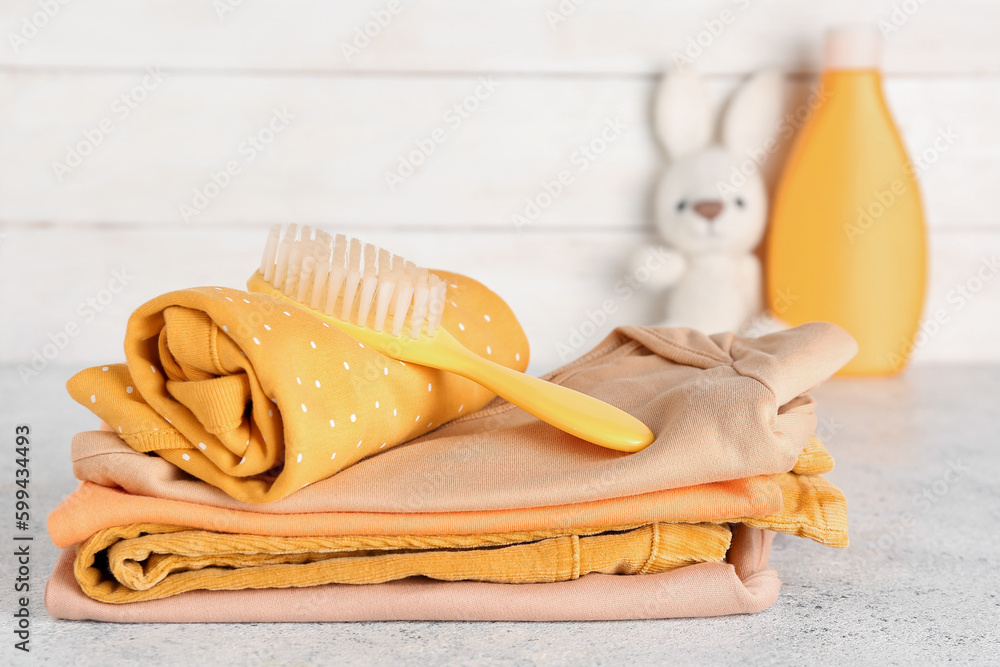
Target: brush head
x: 355, y: 282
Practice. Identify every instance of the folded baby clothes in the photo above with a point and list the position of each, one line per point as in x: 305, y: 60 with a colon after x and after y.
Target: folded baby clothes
x: 144, y: 561
x: 741, y: 585
x: 260, y: 398
x: 732, y: 419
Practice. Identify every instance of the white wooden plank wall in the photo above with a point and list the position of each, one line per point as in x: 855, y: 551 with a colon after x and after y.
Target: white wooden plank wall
x: 163, y: 94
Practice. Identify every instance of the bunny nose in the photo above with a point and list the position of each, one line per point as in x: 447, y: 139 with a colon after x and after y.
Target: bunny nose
x: 708, y: 209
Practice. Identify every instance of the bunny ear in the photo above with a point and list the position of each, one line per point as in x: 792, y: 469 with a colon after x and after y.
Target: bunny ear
x: 682, y: 118
x: 752, y: 117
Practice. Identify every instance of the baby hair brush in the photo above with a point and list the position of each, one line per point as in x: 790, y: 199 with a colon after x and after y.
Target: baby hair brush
x: 395, y: 307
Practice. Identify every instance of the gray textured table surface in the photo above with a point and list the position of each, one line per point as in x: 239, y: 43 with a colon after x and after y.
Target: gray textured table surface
x: 918, y: 585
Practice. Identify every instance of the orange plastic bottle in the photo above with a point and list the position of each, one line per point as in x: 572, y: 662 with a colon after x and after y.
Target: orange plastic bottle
x: 847, y: 242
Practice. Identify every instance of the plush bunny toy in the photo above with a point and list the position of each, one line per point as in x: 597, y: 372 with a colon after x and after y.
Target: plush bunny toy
x: 711, y: 202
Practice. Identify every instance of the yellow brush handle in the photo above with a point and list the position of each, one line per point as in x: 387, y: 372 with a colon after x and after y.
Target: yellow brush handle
x: 581, y: 415
x: 584, y: 416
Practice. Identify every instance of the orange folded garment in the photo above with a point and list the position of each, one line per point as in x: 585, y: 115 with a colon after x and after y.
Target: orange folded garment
x: 92, y: 508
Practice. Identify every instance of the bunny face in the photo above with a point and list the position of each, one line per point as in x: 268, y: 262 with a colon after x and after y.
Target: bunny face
x: 700, y: 207
x: 694, y: 214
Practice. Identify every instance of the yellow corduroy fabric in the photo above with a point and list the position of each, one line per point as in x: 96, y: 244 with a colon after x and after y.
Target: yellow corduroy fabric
x: 813, y: 508
x: 814, y: 459
x: 260, y: 398
x: 150, y: 561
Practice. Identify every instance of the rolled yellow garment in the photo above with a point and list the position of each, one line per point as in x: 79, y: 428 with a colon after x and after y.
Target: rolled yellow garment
x: 259, y: 398
x: 150, y: 561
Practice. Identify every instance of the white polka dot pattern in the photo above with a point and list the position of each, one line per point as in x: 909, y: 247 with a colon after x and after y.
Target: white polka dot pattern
x: 298, y: 360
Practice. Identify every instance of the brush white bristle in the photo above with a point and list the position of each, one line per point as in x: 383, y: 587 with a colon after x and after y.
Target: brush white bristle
x: 353, y: 281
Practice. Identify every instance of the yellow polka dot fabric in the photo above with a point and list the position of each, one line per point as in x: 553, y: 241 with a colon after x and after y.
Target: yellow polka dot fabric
x: 260, y: 398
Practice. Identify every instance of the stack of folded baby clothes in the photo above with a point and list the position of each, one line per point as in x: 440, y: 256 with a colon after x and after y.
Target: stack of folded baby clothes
x: 256, y: 464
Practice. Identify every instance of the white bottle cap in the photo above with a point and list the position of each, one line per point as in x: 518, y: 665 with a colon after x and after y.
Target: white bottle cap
x: 857, y: 46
